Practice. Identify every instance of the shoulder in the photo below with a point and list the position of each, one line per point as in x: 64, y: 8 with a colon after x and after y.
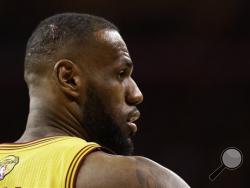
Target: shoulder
x: 104, y: 170
x: 151, y: 174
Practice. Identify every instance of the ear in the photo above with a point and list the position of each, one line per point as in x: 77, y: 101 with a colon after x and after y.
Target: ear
x: 67, y: 75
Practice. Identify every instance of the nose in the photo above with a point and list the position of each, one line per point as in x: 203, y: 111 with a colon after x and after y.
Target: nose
x: 134, y: 95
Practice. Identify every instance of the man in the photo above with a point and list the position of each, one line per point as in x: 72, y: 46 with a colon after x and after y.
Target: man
x: 82, y: 112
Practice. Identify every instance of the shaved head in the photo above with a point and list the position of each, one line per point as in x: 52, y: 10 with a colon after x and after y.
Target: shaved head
x: 58, y: 37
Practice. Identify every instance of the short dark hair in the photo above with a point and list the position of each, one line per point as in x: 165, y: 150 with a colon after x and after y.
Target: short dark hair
x: 53, y: 33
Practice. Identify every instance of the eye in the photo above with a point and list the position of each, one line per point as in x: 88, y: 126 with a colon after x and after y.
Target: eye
x: 122, y: 74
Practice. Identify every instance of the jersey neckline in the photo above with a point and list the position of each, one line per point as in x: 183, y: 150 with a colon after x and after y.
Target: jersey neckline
x: 44, y: 139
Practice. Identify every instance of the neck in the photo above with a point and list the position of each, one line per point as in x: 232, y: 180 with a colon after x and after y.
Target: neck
x: 49, y: 120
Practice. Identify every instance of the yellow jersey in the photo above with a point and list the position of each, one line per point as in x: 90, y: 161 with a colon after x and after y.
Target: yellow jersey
x: 50, y: 162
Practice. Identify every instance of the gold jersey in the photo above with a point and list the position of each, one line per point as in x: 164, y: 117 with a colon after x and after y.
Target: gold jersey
x: 50, y: 162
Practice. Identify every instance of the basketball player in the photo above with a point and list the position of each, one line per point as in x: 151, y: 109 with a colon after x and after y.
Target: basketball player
x: 82, y: 111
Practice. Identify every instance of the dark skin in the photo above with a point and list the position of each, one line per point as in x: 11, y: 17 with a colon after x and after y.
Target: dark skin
x: 58, y: 101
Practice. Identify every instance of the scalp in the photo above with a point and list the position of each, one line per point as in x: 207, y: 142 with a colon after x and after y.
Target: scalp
x: 60, y: 36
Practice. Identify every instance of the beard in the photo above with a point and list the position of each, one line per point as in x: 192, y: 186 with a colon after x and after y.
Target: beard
x: 102, y: 127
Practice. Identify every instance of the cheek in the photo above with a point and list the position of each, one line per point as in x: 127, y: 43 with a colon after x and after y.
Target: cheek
x: 113, y: 95
x: 115, y: 106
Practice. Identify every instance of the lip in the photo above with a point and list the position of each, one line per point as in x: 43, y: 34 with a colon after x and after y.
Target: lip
x: 132, y: 126
x: 135, y: 115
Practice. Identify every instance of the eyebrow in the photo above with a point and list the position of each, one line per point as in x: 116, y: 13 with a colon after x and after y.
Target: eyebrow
x: 129, y: 63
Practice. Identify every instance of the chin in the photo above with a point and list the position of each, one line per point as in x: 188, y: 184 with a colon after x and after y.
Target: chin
x: 130, y: 149
x: 123, y: 148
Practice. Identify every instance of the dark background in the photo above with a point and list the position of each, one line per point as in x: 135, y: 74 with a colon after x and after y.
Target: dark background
x: 192, y: 64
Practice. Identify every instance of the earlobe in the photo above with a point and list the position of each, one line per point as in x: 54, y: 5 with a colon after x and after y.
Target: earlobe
x: 66, y: 74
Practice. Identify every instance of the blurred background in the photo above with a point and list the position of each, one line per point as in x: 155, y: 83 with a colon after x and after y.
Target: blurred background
x: 192, y: 63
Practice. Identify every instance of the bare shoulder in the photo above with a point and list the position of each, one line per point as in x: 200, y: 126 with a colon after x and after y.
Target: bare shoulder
x: 102, y: 170
x: 107, y: 171
x: 151, y: 174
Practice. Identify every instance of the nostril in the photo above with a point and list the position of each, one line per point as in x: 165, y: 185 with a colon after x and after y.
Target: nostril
x: 135, y: 99
x: 139, y: 99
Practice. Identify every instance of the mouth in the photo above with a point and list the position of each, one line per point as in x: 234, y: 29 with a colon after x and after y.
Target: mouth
x: 135, y: 115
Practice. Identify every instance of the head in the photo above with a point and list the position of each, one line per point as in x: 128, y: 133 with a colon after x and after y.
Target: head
x: 79, y: 65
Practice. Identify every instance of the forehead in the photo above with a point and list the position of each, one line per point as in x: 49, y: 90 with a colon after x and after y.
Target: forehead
x: 110, y: 39
x: 109, y: 45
